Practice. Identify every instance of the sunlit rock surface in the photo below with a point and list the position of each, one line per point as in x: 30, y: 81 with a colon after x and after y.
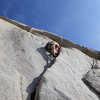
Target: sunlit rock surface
x: 23, y: 53
x: 25, y: 66
x: 93, y: 79
x: 64, y: 80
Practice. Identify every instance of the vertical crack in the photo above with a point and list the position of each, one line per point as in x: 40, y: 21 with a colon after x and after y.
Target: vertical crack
x: 50, y: 60
x: 49, y: 64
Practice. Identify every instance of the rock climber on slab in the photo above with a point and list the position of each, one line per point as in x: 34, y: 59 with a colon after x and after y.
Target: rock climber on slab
x: 53, y: 48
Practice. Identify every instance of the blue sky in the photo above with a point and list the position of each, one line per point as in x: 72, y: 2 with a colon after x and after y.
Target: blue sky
x: 75, y: 20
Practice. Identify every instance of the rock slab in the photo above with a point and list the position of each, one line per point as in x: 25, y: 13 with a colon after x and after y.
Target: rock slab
x: 22, y: 55
x: 24, y: 60
x: 63, y: 81
x: 93, y: 79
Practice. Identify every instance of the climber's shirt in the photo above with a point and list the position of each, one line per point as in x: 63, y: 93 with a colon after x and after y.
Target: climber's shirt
x: 53, y: 48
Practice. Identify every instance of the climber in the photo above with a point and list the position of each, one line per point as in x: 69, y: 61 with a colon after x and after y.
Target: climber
x: 53, y: 48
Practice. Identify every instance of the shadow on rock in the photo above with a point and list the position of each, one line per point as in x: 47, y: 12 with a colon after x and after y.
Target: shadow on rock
x: 31, y: 89
x: 90, y: 88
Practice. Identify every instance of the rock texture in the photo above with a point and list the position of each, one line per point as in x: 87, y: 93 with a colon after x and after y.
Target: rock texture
x: 25, y: 66
x: 10, y: 83
x: 63, y: 81
x: 93, y: 79
x: 63, y: 42
x: 23, y: 60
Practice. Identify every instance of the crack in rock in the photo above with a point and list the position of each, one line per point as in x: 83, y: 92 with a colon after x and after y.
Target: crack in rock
x: 49, y: 64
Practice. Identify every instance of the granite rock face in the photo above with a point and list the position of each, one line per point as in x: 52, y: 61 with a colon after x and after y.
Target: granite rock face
x: 25, y: 66
x: 63, y: 81
x: 10, y: 83
x: 24, y: 61
x: 93, y: 79
x: 63, y: 42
